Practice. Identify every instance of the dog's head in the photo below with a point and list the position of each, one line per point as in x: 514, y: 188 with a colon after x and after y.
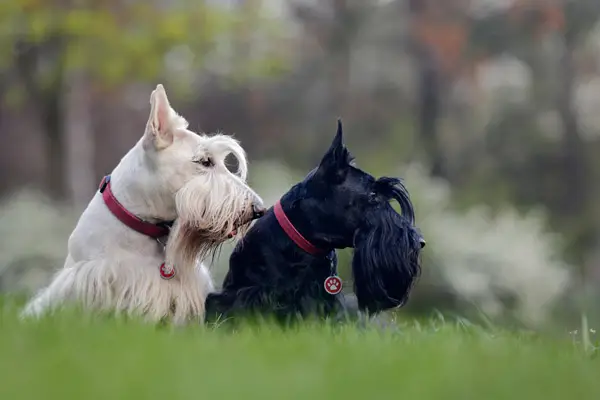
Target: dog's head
x: 387, y: 247
x: 210, y: 202
x: 348, y: 207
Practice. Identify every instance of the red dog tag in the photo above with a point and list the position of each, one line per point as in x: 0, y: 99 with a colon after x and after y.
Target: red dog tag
x: 333, y: 284
x: 166, y: 272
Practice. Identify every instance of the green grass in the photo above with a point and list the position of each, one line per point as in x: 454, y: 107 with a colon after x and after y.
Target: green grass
x: 74, y: 357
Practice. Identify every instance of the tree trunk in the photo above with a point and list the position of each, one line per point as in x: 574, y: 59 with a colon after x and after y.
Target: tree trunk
x: 429, y: 92
x: 47, y: 103
x: 79, y: 139
x: 342, y: 29
x: 576, y: 191
x: 55, y: 145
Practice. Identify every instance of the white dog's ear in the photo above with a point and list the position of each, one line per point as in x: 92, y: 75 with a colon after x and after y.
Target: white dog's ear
x: 159, y: 130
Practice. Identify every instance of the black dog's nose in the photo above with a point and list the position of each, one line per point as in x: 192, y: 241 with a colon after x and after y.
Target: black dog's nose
x: 258, y: 210
x: 422, y: 242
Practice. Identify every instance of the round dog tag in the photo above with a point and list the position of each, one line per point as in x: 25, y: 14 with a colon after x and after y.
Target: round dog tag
x: 166, y: 272
x: 333, y: 284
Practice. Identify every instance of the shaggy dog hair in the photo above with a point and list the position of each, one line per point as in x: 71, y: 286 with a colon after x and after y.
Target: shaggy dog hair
x: 336, y: 206
x: 171, y: 174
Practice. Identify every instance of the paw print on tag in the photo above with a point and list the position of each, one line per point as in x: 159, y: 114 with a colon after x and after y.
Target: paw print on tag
x: 333, y: 285
x: 166, y: 272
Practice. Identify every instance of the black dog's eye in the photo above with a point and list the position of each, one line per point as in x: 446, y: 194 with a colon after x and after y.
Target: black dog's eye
x: 205, y: 162
x: 372, y: 196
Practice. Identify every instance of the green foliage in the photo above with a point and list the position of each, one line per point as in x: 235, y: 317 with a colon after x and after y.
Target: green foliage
x: 115, y: 41
x: 74, y: 357
x: 31, y: 252
x: 114, y: 45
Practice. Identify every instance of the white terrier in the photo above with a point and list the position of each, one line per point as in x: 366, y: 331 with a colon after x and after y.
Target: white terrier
x: 116, y: 261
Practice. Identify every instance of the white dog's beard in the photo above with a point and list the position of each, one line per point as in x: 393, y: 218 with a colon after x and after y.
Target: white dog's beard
x: 209, y: 210
x: 187, y: 245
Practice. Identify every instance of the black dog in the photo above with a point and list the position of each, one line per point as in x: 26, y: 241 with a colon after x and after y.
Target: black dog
x: 285, y: 266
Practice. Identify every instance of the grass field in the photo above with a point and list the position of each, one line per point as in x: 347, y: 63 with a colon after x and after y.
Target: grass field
x: 75, y: 357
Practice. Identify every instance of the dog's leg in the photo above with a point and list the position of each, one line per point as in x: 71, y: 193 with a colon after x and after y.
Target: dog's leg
x: 205, y: 278
x: 216, y: 308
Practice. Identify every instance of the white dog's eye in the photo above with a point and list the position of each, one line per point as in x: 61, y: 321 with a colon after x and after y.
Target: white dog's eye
x: 205, y: 162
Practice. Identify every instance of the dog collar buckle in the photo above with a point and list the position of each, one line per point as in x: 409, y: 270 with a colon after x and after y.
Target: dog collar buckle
x: 104, y: 183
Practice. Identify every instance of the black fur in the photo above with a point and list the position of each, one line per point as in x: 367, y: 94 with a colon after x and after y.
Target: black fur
x: 336, y: 206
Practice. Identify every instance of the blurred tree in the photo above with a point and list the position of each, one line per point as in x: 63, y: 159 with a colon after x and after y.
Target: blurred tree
x: 520, y: 30
x: 438, y: 38
x: 333, y: 26
x: 59, y: 47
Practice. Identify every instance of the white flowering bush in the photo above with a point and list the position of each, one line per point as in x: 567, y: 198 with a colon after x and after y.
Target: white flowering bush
x: 483, y: 257
x: 33, y: 240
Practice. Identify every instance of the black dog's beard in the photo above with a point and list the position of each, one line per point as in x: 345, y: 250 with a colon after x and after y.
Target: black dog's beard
x: 386, y: 260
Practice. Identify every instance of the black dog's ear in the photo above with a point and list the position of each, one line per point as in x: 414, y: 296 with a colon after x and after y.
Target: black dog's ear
x: 335, y: 162
x: 386, y: 260
x: 338, y: 140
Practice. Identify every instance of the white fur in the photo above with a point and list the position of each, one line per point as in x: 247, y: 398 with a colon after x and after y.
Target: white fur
x: 111, y: 267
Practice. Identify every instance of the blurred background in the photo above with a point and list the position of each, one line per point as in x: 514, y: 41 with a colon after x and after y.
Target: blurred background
x: 489, y: 109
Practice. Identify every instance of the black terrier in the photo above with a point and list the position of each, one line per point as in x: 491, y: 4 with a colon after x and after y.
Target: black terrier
x: 285, y: 266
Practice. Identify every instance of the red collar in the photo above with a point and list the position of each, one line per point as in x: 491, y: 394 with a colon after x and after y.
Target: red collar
x: 293, y: 233
x: 155, y: 231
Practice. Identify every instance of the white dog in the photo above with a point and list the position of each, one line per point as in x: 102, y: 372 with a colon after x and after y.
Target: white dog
x: 116, y: 260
